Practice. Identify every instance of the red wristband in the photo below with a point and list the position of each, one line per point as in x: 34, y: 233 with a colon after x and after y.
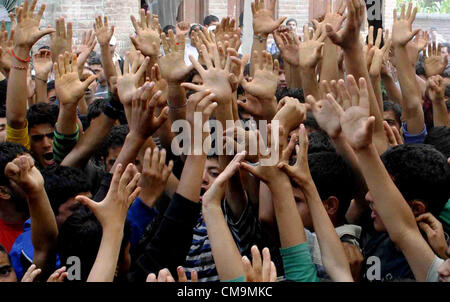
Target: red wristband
x: 19, y: 59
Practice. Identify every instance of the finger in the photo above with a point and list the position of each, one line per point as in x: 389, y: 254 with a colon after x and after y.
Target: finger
x: 181, y: 274
x: 256, y: 261
x: 266, y: 265
x: 248, y: 270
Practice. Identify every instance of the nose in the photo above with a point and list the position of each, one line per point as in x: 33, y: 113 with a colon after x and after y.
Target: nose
x: 48, y: 142
x: 369, y: 197
x: 205, y: 179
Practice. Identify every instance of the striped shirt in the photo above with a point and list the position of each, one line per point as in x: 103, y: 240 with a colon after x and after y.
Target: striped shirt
x: 246, y: 232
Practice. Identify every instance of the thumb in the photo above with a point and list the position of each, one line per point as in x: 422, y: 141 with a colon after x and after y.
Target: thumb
x: 414, y: 33
x: 370, y: 125
x: 92, y: 205
x: 280, y: 21
x: 426, y: 228
x: 332, y: 34
x: 89, y: 81
x: 44, y: 32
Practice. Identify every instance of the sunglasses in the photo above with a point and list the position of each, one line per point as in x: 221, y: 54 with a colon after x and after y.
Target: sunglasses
x: 39, y: 137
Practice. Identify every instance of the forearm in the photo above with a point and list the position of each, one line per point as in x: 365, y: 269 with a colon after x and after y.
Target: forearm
x: 331, y: 249
x: 235, y: 196
x: 67, y: 120
x: 16, y: 95
x: 360, y: 205
x: 329, y: 69
x: 90, y: 142
x: 394, y: 94
x: 107, y: 62
x: 376, y: 84
x: 440, y: 114
x: 176, y: 100
x: 41, y: 88
x: 44, y: 231
x: 82, y: 106
x: 225, y: 252
x: 105, y: 264
x: 309, y: 83
x: 258, y: 45
x: 290, y: 224
x: 355, y: 64
x: 295, y: 79
x: 191, y: 178
x: 130, y: 150
x: 412, y: 98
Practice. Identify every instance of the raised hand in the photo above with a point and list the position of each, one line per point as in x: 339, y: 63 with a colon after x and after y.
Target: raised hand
x: 435, y: 62
x: 59, y: 275
x: 436, y: 89
x: 27, y: 31
x: 128, y: 82
x: 31, y: 273
x: 6, y: 45
x: 183, y: 28
x: 327, y: 113
x: 288, y: 43
x: 61, y: 40
x: 213, y: 197
x: 172, y: 65
x: 310, y: 50
x: 393, y: 135
x: 25, y: 175
x: 83, y: 50
x: 216, y: 77
x: 155, y: 174
x: 42, y: 62
x: 263, y: 18
x: 380, y: 55
x: 143, y: 122
x: 160, y: 84
x: 228, y: 34
x: 260, y: 270
x: 335, y: 16
x: 402, y: 31
x: 434, y: 232
x: 291, y: 113
x: 348, y: 37
x: 261, y: 101
x: 356, y: 123
x: 164, y: 275
x: 69, y: 88
x: 147, y: 38
x: 102, y: 30
x: 299, y: 172
x: 112, y: 211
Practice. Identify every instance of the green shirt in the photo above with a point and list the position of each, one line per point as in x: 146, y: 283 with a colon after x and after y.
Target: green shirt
x: 298, y: 265
x: 445, y: 217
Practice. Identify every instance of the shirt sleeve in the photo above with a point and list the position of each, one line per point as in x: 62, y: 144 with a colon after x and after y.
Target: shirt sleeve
x: 298, y: 265
x: 63, y: 144
x: 433, y: 275
x: 19, y: 136
x: 139, y: 216
x: 414, y: 138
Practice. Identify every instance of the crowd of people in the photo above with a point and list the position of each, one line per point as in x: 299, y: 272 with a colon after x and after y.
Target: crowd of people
x: 98, y: 184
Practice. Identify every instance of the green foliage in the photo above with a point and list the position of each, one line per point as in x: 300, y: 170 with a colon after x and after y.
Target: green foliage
x: 428, y: 7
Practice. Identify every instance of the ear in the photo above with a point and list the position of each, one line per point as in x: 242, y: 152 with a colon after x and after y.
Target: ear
x: 331, y: 205
x: 418, y: 207
x: 4, y: 193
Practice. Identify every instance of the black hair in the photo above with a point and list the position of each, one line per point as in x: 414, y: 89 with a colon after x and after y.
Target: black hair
x: 319, y: 141
x: 396, y: 108
x: 420, y: 172
x: 194, y: 27
x: 96, y: 108
x: 210, y: 19
x: 50, y: 86
x: 95, y: 60
x: 333, y: 176
x: 8, y: 152
x: 290, y: 92
x: 116, y: 138
x: 420, y: 66
x: 439, y: 137
x: 291, y: 20
x: 42, y: 113
x: 63, y: 183
x: 81, y: 235
x: 169, y: 27
x: 311, y: 122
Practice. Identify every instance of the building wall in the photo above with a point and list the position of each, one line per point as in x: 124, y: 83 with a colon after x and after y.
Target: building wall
x: 441, y: 22
x: 83, y: 12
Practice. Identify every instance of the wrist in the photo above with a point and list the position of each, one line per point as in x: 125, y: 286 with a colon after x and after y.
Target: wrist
x: 211, y: 208
x: 35, y: 193
x: 22, y: 52
x: 135, y: 138
x: 42, y: 76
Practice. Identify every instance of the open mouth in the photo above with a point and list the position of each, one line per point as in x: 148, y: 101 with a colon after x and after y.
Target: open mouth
x: 202, y: 192
x: 48, y: 158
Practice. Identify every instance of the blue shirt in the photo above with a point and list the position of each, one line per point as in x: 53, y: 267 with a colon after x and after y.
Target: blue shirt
x: 414, y: 138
